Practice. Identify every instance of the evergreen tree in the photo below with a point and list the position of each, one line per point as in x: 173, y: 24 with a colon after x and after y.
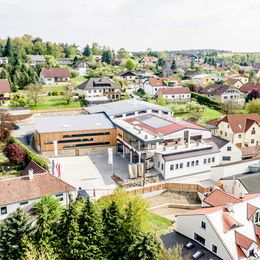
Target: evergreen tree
x: 174, y: 66
x: 15, y: 232
x: 192, y: 64
x: 8, y: 50
x: 107, y: 57
x: 87, y: 51
x: 114, y: 232
x: 161, y: 62
x: 91, y: 232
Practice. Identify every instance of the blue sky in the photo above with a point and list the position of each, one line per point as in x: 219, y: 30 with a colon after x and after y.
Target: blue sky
x: 137, y: 24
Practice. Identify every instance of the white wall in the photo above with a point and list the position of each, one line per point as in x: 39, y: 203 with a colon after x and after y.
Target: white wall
x: 190, y: 224
x: 235, y: 153
x: 177, y: 96
x: 234, y: 188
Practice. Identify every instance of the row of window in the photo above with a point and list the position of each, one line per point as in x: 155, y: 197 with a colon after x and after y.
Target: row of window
x: 178, y: 166
x: 70, y: 141
x: 85, y: 144
x: 88, y: 134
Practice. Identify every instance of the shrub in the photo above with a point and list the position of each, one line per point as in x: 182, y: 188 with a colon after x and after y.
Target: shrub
x: 30, y: 155
x: 204, y: 100
x: 15, y: 153
x: 4, y: 133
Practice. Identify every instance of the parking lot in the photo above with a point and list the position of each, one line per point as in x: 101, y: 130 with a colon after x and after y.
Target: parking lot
x: 92, y: 172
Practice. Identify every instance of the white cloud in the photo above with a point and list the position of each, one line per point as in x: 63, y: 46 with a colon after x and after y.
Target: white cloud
x: 137, y: 24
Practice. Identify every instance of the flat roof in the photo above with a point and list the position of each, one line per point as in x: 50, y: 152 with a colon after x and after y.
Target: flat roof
x: 53, y: 124
x: 124, y: 106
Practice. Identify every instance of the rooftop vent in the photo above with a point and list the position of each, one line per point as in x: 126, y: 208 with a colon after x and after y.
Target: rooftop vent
x: 30, y: 174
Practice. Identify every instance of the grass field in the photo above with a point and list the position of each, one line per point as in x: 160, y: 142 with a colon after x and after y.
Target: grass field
x: 159, y: 225
x: 52, y: 88
x: 55, y: 102
x: 78, y: 80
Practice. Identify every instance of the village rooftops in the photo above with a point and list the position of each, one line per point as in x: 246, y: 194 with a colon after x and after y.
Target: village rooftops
x: 214, y: 89
x: 54, y: 124
x: 17, y: 189
x: 125, y: 107
x: 55, y: 73
x: 98, y: 83
x: 175, y: 90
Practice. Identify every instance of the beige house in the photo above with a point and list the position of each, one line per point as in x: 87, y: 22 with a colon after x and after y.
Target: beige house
x: 202, y: 80
x: 243, y: 78
x: 241, y: 130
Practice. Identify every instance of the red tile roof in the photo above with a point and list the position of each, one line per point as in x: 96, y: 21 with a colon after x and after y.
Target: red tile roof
x: 19, y: 189
x: 55, y: 73
x: 248, y: 87
x: 35, y: 167
x: 220, y: 198
x: 229, y: 222
x: 175, y: 90
x: 241, y: 123
x: 257, y: 230
x: 243, y: 241
x: 251, y: 209
x: 4, y: 86
x: 250, y: 151
x: 155, y: 82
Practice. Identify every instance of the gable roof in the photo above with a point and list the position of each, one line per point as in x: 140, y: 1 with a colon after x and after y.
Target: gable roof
x: 220, y: 142
x: 240, y: 123
x: 98, y: 83
x: 156, y: 82
x: 55, y: 72
x: 17, y: 189
x: 251, y: 209
x: 4, y: 86
x: 35, y: 167
x: 127, y: 73
x: 243, y: 241
x: 220, y: 198
x: 175, y: 90
x: 249, y: 86
x: 214, y: 89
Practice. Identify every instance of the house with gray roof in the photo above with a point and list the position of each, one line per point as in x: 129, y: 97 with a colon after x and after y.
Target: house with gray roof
x: 102, y: 86
x: 35, y: 60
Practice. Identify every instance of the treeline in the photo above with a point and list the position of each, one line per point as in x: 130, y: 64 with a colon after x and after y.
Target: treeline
x: 114, y: 228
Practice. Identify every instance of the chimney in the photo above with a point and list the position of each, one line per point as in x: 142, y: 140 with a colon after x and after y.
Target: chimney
x: 30, y: 174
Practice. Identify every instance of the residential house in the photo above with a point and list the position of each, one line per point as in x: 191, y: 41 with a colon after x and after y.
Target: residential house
x: 65, y: 61
x: 152, y: 85
x: 244, y: 183
x: 223, y: 93
x: 175, y: 93
x: 249, y: 86
x: 166, y: 71
x: 243, y: 78
x: 97, y: 58
x: 237, y: 83
x: 148, y: 61
x: 127, y: 75
x: 35, y: 60
x: 220, y: 62
x: 189, y: 74
x: 95, y: 87
x: 3, y: 60
x: 250, y: 152
x: 241, y: 130
x: 24, y: 191
x: 4, y: 91
x: 202, y: 80
x: 82, y: 68
x: 207, y: 68
x: 50, y: 76
x: 230, y: 232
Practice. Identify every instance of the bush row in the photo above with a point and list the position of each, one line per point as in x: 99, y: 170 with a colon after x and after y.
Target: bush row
x: 204, y: 100
x: 30, y: 155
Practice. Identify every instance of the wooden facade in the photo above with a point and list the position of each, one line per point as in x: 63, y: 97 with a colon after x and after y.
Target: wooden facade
x: 76, y: 139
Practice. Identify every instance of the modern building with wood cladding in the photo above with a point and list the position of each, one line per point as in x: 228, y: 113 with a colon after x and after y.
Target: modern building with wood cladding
x: 55, y: 133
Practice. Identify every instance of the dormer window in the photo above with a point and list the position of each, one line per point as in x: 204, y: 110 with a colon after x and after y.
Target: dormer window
x: 253, y: 131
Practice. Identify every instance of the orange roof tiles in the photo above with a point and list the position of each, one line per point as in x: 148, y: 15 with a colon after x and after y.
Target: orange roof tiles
x: 250, y: 210
x: 175, y: 90
x: 55, y: 72
x: 243, y: 241
x: 219, y: 198
x: 229, y: 222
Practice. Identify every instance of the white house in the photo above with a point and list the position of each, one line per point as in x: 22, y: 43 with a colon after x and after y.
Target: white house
x: 3, y: 60
x: 175, y: 93
x: 231, y: 231
x: 82, y: 68
x: 35, y: 60
x: 24, y: 191
x: 127, y: 75
x: 51, y: 76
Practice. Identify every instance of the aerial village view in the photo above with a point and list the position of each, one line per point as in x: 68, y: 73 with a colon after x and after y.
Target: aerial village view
x: 129, y: 130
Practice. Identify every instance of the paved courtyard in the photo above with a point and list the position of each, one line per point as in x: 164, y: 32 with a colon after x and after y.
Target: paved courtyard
x: 92, y: 172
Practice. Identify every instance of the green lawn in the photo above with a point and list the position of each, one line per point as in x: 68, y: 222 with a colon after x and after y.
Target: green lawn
x: 209, y: 114
x: 52, y: 88
x: 159, y: 225
x: 55, y: 102
x: 78, y: 80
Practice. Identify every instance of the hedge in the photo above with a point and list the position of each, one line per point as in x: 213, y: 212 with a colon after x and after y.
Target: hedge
x: 204, y: 100
x: 30, y: 155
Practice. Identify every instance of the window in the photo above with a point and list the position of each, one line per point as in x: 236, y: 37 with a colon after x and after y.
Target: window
x: 257, y: 215
x: 229, y: 148
x: 239, y: 136
x: 162, y: 166
x: 48, y: 142
x: 75, y: 140
x: 252, y: 252
x: 24, y: 203
x: 209, y: 160
x: 203, y: 224
x: 226, y: 158
x: 59, y: 196
x: 205, y: 161
x: 199, y: 239
x: 252, y: 141
x: 181, y: 165
x: 197, y: 162
x: 253, y: 131
x: 172, y: 167
x: 192, y: 163
x: 177, y: 166
x: 188, y: 164
x: 158, y: 164
x: 130, y: 114
x: 213, y: 159
x: 89, y: 134
x: 225, y: 134
x: 214, y: 249
x: 221, y: 132
x: 85, y: 144
x: 3, y: 210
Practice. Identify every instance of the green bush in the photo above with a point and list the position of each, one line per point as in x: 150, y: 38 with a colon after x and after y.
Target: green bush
x: 204, y: 100
x: 30, y: 155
